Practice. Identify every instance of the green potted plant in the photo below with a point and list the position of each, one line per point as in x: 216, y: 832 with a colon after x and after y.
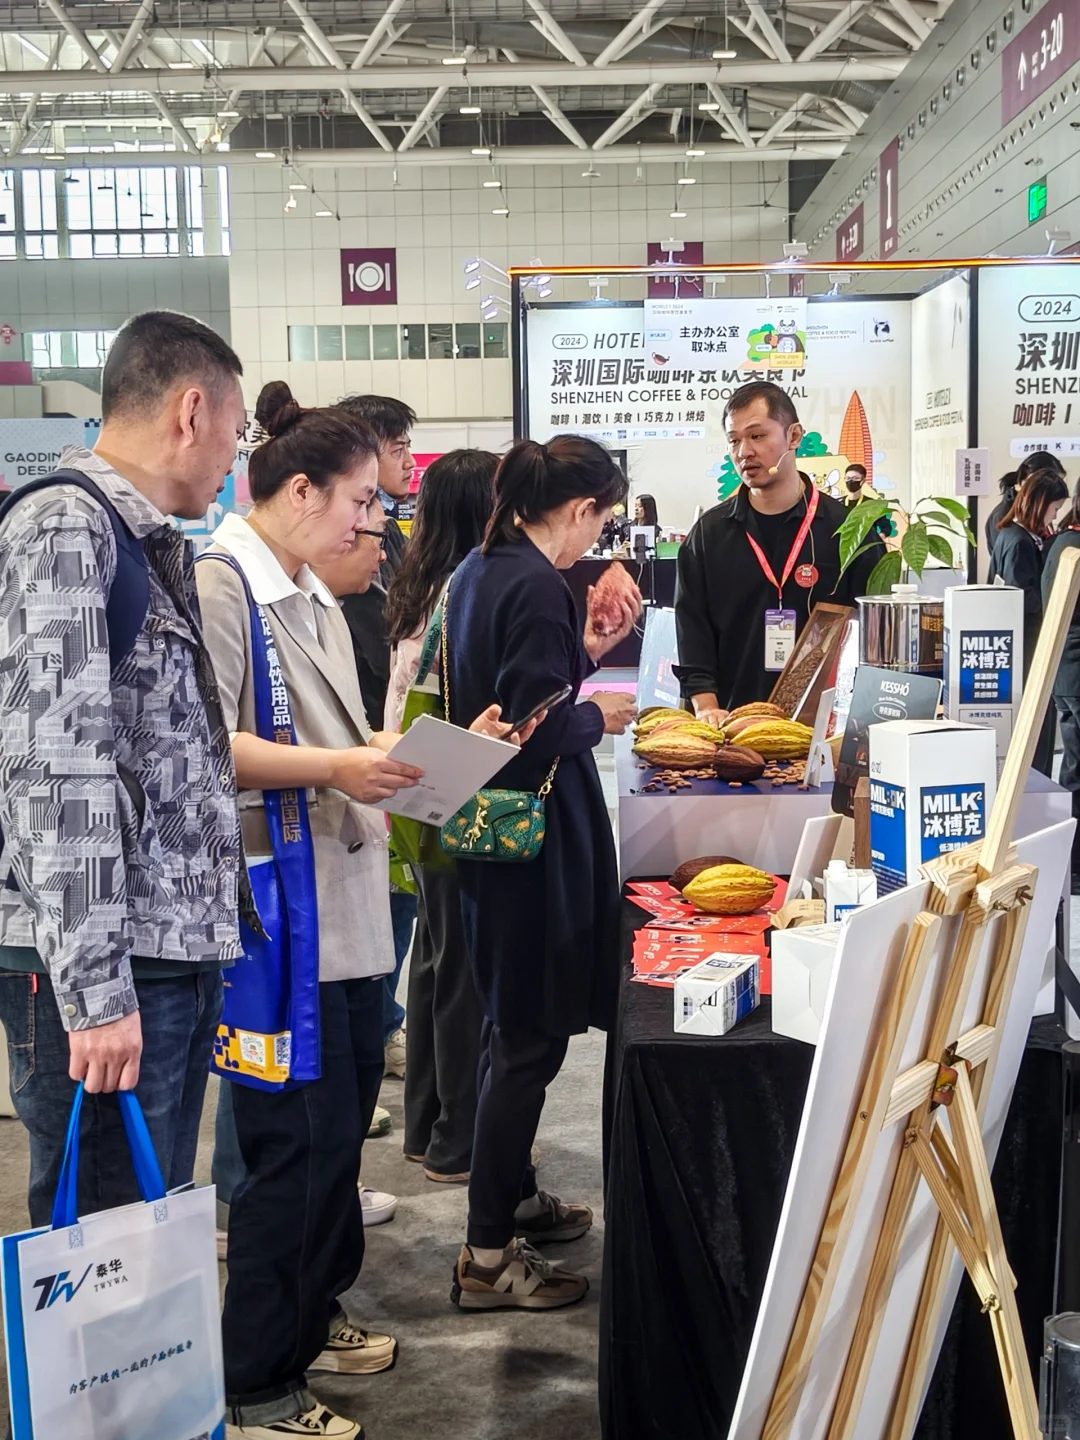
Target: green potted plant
x: 932, y: 527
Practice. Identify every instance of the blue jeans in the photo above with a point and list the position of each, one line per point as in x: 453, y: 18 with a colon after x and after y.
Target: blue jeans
x: 403, y: 918
x: 179, y: 1021
x: 296, y: 1229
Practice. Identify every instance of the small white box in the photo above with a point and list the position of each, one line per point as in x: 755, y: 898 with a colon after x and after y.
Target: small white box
x: 984, y: 658
x: 846, y: 889
x: 932, y: 786
x: 802, y: 962
x: 716, y: 994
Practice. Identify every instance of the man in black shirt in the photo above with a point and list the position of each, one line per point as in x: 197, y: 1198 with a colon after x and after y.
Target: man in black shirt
x: 753, y: 568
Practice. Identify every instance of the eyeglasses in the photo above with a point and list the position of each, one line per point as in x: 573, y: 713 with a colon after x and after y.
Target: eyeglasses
x: 372, y: 534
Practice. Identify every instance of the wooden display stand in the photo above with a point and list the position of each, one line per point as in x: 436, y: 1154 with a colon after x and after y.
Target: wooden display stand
x: 979, y: 884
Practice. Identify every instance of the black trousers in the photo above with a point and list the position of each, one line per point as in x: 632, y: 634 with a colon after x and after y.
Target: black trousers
x: 1068, y: 707
x: 296, y: 1229
x: 516, y: 1067
x: 443, y: 1034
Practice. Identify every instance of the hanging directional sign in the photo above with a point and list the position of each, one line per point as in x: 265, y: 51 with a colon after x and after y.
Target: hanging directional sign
x: 1047, y: 46
x: 889, y: 200
x: 850, y: 236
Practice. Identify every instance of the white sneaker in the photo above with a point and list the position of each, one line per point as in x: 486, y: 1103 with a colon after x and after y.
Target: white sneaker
x: 319, y: 1420
x: 353, y: 1351
x: 377, y: 1205
x: 381, y: 1123
x: 395, y: 1054
x: 222, y: 1237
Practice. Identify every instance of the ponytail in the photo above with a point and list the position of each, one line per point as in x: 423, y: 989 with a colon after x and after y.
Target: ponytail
x: 534, y: 479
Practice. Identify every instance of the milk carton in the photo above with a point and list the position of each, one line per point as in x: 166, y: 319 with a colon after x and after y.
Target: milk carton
x: 984, y: 658
x: 802, y: 965
x: 932, y: 784
x: 846, y: 889
x: 715, y: 995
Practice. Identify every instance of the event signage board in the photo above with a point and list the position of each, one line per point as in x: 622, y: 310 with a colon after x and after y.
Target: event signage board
x: 1037, y: 58
x: 369, y: 277
x: 851, y: 236
x: 972, y: 472
x: 750, y: 334
x: 940, y: 364
x: 889, y: 200
x: 670, y: 287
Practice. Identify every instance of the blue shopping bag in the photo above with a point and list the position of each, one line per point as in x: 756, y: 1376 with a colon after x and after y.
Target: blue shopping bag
x: 111, y: 1321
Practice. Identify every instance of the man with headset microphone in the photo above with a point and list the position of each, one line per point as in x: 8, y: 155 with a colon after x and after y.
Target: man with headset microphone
x: 754, y: 566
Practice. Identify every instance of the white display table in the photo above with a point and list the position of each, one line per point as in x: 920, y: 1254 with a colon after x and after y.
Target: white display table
x: 761, y: 824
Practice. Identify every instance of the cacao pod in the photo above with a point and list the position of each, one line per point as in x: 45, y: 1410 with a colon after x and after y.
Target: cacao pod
x: 646, y: 725
x: 758, y: 707
x: 730, y: 889
x: 691, y: 868
x: 739, y: 762
x: 734, y: 728
x: 605, y: 600
x: 689, y: 727
x: 675, y: 751
x: 778, y: 739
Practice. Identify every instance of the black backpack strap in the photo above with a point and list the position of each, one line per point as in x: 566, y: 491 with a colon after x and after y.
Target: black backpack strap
x: 129, y: 595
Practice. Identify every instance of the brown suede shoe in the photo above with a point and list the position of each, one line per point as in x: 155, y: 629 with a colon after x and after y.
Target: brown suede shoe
x: 557, y: 1224
x: 523, y: 1280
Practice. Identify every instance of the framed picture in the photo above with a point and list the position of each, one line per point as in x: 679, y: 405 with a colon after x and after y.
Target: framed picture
x: 812, y: 666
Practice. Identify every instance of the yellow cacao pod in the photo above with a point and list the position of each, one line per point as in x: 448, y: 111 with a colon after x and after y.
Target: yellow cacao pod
x: 777, y: 739
x: 688, y: 727
x: 757, y: 707
x: 646, y: 724
x: 730, y: 889
x: 674, y: 751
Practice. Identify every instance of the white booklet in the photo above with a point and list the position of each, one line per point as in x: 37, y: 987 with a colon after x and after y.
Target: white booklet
x: 456, y: 763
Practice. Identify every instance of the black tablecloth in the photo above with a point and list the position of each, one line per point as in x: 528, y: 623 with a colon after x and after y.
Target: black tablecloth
x: 703, y: 1133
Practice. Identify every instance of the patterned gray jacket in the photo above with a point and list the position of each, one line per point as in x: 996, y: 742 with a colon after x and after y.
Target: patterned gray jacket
x: 117, y: 793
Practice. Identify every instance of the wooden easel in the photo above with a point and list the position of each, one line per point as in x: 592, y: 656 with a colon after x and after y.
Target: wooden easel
x: 979, y: 884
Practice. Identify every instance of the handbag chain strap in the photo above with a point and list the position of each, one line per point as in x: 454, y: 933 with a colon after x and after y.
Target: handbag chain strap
x: 545, y: 788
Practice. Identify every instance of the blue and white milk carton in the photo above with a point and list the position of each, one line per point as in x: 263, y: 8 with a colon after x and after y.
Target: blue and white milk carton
x: 984, y: 658
x: 932, y: 785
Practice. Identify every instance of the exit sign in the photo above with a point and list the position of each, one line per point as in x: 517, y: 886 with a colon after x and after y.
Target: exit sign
x: 1037, y: 200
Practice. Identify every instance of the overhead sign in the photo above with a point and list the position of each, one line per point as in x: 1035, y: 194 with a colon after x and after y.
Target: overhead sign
x: 761, y: 335
x: 670, y: 287
x: 369, y: 277
x: 1047, y: 46
x: 850, y: 237
x: 889, y: 200
x: 1037, y: 197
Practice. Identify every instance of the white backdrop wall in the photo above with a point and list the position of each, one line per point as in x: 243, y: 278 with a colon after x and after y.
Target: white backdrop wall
x: 940, y: 359
x: 284, y: 267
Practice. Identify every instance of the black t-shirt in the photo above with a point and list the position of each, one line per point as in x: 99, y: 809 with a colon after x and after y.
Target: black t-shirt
x: 773, y: 534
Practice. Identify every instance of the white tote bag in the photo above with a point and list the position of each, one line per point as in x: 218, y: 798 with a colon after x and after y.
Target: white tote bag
x: 111, y: 1322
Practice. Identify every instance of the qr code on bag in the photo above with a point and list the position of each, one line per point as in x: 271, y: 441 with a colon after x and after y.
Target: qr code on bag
x: 282, y: 1051
x: 252, y: 1048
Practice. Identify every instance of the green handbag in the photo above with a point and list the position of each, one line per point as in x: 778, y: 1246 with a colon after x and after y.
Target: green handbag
x: 411, y: 840
x: 501, y: 825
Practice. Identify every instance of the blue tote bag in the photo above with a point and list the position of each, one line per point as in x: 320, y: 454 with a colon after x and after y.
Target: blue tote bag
x: 111, y: 1322
x: 269, y: 1032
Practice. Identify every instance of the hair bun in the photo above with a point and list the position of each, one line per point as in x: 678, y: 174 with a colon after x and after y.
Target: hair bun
x: 276, y: 410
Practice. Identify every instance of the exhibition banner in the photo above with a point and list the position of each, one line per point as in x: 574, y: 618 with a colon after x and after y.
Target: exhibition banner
x: 940, y: 357
x: 742, y: 334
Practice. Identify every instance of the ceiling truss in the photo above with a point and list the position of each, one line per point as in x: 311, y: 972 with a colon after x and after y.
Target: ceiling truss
x: 380, y: 82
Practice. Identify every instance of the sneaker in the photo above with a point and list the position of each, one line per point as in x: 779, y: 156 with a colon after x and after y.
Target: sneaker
x: 556, y: 1224
x: 381, y: 1123
x: 395, y: 1054
x: 461, y: 1178
x: 222, y: 1237
x: 352, y: 1351
x: 416, y: 1159
x: 377, y: 1205
x: 523, y: 1280
x: 319, y: 1420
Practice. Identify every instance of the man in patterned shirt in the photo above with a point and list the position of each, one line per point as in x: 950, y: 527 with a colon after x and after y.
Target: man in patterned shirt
x: 121, y: 857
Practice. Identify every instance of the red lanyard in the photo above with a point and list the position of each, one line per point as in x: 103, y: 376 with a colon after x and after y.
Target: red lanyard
x: 796, y: 549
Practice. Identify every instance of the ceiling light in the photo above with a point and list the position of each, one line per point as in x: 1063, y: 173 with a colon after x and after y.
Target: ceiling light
x: 492, y: 184
x: 709, y: 105
x: 725, y: 54
x: 181, y: 64
x: 541, y: 279
x: 503, y: 211
x: 491, y: 314
x: 678, y: 215
x: 471, y: 266
x: 695, y: 154
x: 591, y: 173
x: 34, y: 49
x: 469, y: 110
x: 228, y: 114
x: 686, y: 180
x: 543, y: 291
x: 453, y: 60
x: 473, y: 284
x: 265, y: 155
x: 323, y: 214
x: 795, y: 250
x: 297, y: 185
x: 290, y: 204
x: 481, y: 150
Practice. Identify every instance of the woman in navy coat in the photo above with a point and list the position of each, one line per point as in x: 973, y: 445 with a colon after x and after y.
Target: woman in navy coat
x: 543, y: 934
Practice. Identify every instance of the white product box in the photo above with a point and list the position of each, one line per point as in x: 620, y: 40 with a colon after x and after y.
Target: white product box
x: 932, y: 785
x: 846, y: 889
x: 716, y: 994
x: 984, y: 658
x: 802, y: 962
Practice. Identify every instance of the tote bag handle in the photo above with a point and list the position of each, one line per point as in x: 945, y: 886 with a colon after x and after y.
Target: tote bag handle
x: 148, y: 1175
